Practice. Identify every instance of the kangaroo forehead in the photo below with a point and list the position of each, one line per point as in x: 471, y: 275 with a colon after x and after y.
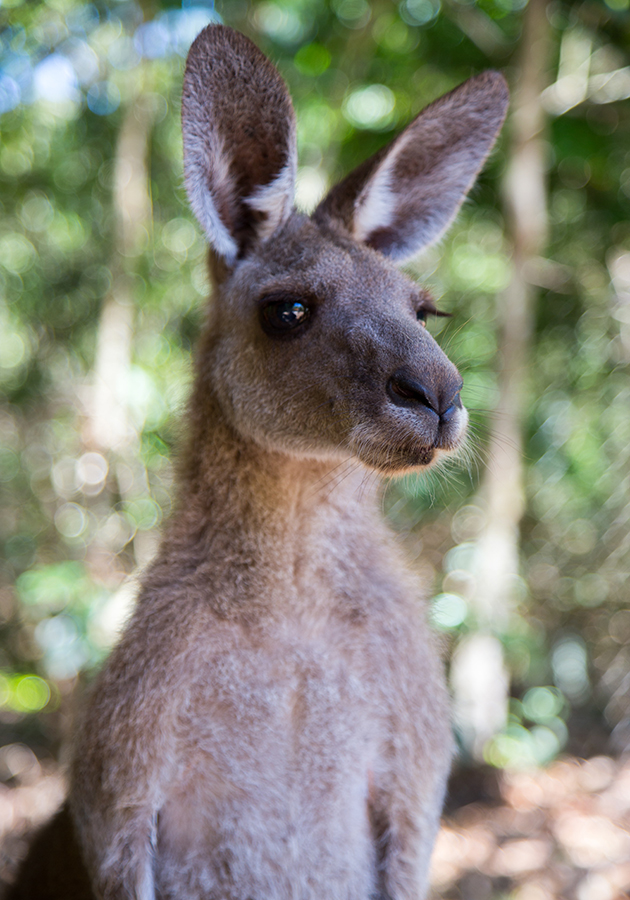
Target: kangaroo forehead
x: 325, y: 264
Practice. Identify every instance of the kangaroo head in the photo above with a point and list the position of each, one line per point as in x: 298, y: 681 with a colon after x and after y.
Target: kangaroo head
x: 316, y: 344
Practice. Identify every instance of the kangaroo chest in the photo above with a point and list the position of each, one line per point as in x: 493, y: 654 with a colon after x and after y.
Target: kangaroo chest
x: 276, y: 746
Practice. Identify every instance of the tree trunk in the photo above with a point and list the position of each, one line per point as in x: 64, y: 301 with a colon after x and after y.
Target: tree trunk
x: 109, y: 426
x: 479, y: 677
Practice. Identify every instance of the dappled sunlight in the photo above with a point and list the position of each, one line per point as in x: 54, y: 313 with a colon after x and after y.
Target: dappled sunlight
x: 559, y: 832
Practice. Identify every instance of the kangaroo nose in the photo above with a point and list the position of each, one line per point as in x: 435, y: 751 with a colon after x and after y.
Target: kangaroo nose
x: 404, y: 390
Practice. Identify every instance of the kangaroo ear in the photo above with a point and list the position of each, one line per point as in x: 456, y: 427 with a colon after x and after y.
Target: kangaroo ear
x: 239, y: 141
x: 404, y: 197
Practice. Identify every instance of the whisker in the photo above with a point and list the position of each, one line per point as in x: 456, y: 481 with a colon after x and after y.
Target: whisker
x: 349, y: 471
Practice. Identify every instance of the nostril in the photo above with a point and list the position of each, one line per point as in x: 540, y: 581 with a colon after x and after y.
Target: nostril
x: 451, y: 404
x: 451, y: 412
x: 406, y: 391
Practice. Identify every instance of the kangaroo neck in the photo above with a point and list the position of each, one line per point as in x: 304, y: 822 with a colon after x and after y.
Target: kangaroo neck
x: 232, y: 489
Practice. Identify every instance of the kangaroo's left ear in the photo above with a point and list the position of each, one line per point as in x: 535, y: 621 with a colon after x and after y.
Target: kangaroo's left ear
x: 406, y: 196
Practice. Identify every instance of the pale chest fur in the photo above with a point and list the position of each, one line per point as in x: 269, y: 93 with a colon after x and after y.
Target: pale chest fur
x: 281, y: 738
x: 273, y: 757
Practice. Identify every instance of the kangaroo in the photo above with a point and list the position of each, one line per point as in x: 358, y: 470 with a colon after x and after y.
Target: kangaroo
x: 274, y: 721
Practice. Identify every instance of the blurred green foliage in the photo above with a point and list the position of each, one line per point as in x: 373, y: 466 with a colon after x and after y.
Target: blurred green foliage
x: 77, y: 518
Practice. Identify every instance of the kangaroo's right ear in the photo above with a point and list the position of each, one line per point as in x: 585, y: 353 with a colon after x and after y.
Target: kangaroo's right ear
x: 240, y: 155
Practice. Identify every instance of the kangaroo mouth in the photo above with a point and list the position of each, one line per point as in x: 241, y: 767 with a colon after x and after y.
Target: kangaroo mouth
x: 390, y: 457
x: 398, y: 449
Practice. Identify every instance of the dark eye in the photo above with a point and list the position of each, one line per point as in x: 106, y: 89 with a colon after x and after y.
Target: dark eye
x: 421, y: 316
x: 282, y: 315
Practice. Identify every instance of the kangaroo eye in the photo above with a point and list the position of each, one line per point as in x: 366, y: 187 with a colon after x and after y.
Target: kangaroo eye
x: 280, y: 316
x: 421, y: 316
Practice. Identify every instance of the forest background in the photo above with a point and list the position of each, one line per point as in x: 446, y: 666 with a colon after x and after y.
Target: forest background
x: 524, y: 545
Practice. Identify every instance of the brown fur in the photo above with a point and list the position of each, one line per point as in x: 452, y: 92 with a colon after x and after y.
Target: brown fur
x: 274, y: 722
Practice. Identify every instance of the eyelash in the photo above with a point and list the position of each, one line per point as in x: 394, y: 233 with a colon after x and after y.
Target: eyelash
x: 428, y: 308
